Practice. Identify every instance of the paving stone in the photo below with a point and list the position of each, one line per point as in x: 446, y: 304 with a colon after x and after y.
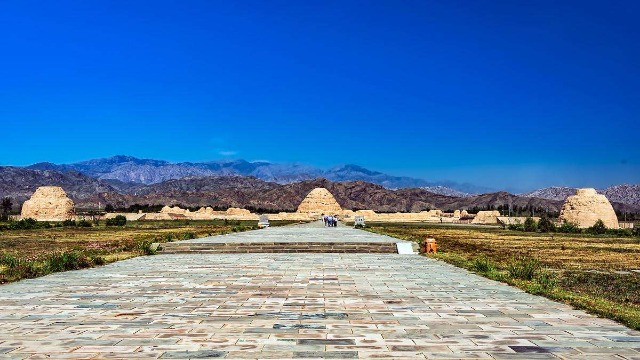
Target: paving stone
x: 202, y: 354
x: 326, y: 342
x: 283, y: 305
x: 326, y: 354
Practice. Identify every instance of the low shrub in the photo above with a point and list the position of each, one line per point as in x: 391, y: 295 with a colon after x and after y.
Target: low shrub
x: 620, y: 232
x: 546, y: 279
x: 69, y: 223
x: 84, y: 223
x: 146, y: 247
x: 530, y: 225
x: 23, y: 270
x: 98, y: 260
x: 50, y: 263
x: 545, y: 225
x: 598, y: 228
x: 167, y: 237
x: 483, y: 265
x: 569, y: 228
x: 119, y: 220
x: 516, y: 227
x: 188, y: 235
x: 524, y: 268
x: 8, y: 260
x: 27, y: 224
x: 67, y: 260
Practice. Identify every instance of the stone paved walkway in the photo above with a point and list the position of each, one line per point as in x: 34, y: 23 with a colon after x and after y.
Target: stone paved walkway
x: 309, y: 232
x: 310, y: 237
x: 293, y: 305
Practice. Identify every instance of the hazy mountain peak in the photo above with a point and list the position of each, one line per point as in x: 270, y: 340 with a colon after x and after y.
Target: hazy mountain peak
x: 623, y: 193
x: 149, y: 171
x: 356, y: 168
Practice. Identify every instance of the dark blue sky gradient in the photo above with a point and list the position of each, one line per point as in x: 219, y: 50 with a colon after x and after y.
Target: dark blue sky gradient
x: 503, y: 94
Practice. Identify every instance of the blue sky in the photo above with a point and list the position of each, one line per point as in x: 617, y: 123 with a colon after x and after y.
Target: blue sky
x: 504, y: 94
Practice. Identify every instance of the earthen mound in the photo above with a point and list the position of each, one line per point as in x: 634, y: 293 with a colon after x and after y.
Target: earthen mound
x: 486, y: 217
x: 586, y: 207
x: 48, y: 203
x: 174, y: 210
x: 238, y: 211
x: 319, y: 201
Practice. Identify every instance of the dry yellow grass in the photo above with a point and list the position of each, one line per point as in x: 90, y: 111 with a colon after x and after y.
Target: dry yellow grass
x: 36, y: 242
x: 35, y: 252
x: 561, y: 251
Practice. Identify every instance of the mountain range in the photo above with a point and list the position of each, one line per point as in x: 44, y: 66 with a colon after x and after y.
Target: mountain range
x: 250, y: 192
x: 129, y: 169
x: 624, y: 193
x: 240, y: 191
x: 124, y: 181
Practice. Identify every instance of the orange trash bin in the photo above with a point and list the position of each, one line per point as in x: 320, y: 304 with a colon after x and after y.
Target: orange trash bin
x: 430, y: 245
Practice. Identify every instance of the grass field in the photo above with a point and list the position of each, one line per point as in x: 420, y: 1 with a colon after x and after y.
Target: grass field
x: 36, y: 252
x: 597, y: 273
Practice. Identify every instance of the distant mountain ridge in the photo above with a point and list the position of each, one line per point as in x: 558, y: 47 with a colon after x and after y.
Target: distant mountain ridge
x: 129, y: 169
x: 20, y: 183
x: 130, y: 175
x: 624, y: 193
x: 249, y: 192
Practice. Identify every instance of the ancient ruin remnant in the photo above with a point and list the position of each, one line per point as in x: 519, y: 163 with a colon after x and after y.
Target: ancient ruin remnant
x: 586, y: 207
x: 174, y: 210
x: 238, y: 211
x: 48, y: 203
x: 319, y: 201
x: 486, y: 217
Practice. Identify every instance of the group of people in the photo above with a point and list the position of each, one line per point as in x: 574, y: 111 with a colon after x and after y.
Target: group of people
x: 330, y: 221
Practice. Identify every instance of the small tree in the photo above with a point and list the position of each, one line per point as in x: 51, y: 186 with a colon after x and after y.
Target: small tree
x: 546, y: 225
x: 6, y: 207
x: 569, y: 227
x: 598, y: 228
x: 119, y: 220
x: 530, y: 225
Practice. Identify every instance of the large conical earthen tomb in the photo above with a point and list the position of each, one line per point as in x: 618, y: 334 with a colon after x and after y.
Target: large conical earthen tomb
x: 48, y: 203
x: 586, y: 207
x: 319, y: 201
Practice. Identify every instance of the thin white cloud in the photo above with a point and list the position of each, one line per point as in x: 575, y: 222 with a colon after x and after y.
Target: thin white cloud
x: 227, y: 152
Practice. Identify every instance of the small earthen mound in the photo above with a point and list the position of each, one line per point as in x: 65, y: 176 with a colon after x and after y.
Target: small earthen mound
x: 486, y: 217
x: 49, y: 203
x: 586, y: 207
x: 238, y: 211
x: 205, y: 210
x: 173, y: 210
x: 319, y: 201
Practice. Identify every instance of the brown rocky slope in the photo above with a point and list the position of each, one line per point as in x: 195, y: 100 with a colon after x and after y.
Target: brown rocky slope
x: 250, y: 192
x: 350, y: 195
